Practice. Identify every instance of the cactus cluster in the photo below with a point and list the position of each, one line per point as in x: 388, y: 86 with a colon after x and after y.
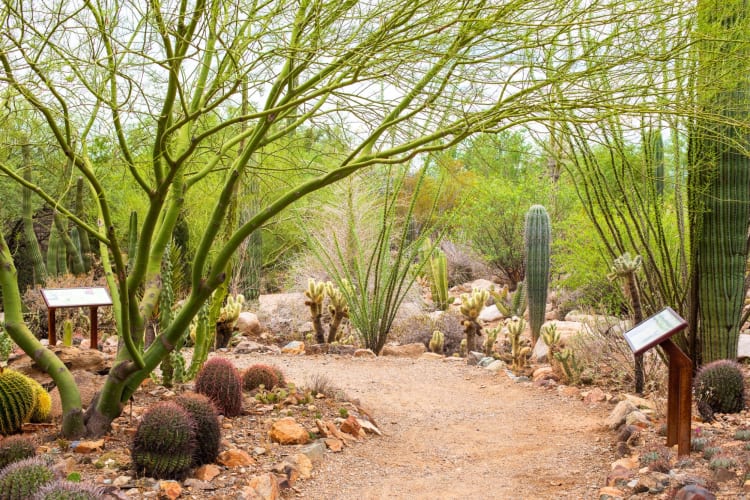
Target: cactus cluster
x: 21, y: 480
x: 207, y: 428
x: 519, y: 352
x: 15, y: 448
x: 510, y: 304
x: 338, y: 309
x: 256, y: 375
x: 437, y: 342
x: 6, y: 344
x: 222, y: 383
x: 231, y: 310
x: 489, y: 343
x: 165, y: 442
x: 17, y: 400
x: 315, y: 294
x: 719, y: 388
x: 61, y: 489
x: 471, y: 306
x: 537, y: 239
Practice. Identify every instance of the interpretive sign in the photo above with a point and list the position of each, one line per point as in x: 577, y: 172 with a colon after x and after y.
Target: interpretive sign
x: 657, y: 330
x: 91, y: 297
x: 654, y: 330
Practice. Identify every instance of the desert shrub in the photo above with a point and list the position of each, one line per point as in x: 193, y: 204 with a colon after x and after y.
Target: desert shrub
x: 464, y: 264
x: 419, y: 329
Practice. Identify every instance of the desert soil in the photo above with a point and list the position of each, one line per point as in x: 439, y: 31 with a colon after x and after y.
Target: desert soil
x: 455, y: 431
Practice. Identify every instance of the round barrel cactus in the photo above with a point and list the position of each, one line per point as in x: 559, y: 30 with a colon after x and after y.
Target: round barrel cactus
x: 222, y: 383
x: 164, y: 442
x: 207, y: 428
x: 42, y: 403
x: 256, y: 375
x: 15, y: 448
x: 17, y: 400
x: 20, y: 480
x: 719, y: 387
x: 68, y: 490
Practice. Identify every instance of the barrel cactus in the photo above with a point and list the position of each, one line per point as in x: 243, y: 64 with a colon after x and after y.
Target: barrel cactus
x: 719, y: 388
x: 42, y: 403
x: 17, y: 400
x: 207, y: 428
x: 537, y: 239
x: 165, y: 442
x: 20, y: 480
x: 222, y: 383
x: 256, y: 375
x: 61, y: 489
x: 15, y: 448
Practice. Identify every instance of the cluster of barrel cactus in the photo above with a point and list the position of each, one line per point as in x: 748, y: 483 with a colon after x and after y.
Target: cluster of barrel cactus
x: 206, y: 420
x: 22, y: 399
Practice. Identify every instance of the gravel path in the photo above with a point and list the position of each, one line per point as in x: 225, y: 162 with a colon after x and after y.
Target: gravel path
x: 453, y: 431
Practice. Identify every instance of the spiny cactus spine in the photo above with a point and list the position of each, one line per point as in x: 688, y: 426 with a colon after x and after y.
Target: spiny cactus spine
x: 207, y: 428
x: 338, y: 308
x: 439, y: 280
x: 20, y: 480
x: 719, y: 388
x: 437, y: 342
x: 315, y: 294
x: 537, y: 239
x: 164, y: 443
x: 222, y: 383
x: 15, y: 448
x: 17, y: 400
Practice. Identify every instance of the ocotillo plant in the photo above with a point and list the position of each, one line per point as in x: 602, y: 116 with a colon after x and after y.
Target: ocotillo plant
x: 537, y: 238
x: 625, y: 267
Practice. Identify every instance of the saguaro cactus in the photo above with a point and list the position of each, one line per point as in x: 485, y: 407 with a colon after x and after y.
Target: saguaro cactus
x: 537, y: 238
x: 40, y: 271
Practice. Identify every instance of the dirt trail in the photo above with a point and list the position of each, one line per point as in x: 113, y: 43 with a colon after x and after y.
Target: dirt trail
x: 453, y: 431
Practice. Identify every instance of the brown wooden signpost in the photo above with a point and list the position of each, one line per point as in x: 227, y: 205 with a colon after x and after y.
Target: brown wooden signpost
x: 658, y: 330
x: 57, y: 298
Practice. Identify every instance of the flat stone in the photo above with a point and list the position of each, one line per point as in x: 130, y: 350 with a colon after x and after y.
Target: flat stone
x: 595, y: 395
x: 235, y: 458
x: 249, y: 346
x: 637, y: 418
x: 496, y: 366
x: 694, y: 492
x: 490, y: 314
x: 351, y: 426
x: 474, y: 357
x: 414, y: 350
x: 265, y: 486
x: 619, y: 414
x: 206, y: 472
x: 610, y: 493
x: 431, y: 355
x: 248, y: 324
x: 619, y: 476
x: 364, y: 353
x: 303, y: 464
x: 169, y: 490
x: 89, y: 446
x: 315, y: 451
x: 294, y: 347
x: 333, y: 444
x: 743, y: 348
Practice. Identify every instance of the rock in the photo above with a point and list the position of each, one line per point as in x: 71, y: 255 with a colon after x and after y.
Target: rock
x: 743, y: 349
x: 294, y: 347
x: 121, y: 481
x: 610, y: 493
x: 313, y: 349
x: 474, y: 357
x: 408, y: 310
x: 368, y: 426
x: 595, y: 395
x: 249, y: 346
x: 283, y: 313
x: 66, y: 466
x: 637, y: 418
x: 88, y: 384
x: 333, y: 444
x: 722, y: 475
x: 653, y: 482
x: 288, y: 431
x: 619, y: 476
x: 485, y: 361
x: 264, y: 486
x: 342, y: 349
x: 303, y: 464
x: 619, y: 414
x: 431, y: 355
x: 365, y: 353
x: 414, y: 350
x: 206, y: 472
x: 626, y: 433
x: 235, y: 458
x: 248, y: 324
x: 315, y: 451
x: 496, y: 366
x: 570, y: 392
x: 694, y: 492
x: 629, y: 463
x: 542, y: 373
x: 639, y: 402
x: 622, y: 449
x: 351, y: 426
x: 480, y: 284
x: 490, y: 314
x: 540, y: 352
x: 88, y: 446
x: 197, y: 484
x: 169, y: 490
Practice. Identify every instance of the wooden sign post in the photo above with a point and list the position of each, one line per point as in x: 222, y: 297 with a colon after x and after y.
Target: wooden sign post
x: 57, y: 298
x: 658, y: 330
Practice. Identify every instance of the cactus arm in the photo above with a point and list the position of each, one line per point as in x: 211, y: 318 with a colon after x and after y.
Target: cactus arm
x: 83, y: 236
x: 70, y: 247
x: 72, y: 425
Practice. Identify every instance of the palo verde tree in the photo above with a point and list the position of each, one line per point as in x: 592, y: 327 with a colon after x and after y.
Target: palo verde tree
x: 399, y: 77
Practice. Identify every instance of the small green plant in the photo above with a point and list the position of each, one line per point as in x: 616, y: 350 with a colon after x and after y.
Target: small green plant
x: 510, y: 304
x: 222, y: 383
x: 21, y: 480
x: 719, y: 388
x: 15, y: 448
x: 343, y: 412
x: 439, y: 280
x: 742, y: 434
x: 710, y: 452
x: 489, y: 343
x: 570, y: 366
x: 271, y: 397
x: 207, y: 428
x: 698, y: 444
x: 74, y: 477
x: 256, y: 375
x: 164, y: 443
x: 518, y: 351
x: 338, y: 309
x: 67, y: 333
x: 721, y: 462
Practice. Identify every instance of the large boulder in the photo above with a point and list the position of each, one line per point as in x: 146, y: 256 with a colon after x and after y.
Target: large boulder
x: 414, y: 350
x: 248, y: 324
x: 283, y: 313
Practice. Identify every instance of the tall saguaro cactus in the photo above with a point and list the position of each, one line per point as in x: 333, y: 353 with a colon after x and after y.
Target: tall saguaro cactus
x: 537, y: 239
x: 720, y: 178
x: 40, y: 270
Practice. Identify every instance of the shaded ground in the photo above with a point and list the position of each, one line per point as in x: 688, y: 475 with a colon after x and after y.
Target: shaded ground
x: 454, y: 431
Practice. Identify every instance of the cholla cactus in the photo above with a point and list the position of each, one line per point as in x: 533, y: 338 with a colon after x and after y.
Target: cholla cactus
x: 509, y: 304
x: 489, y: 343
x: 232, y: 309
x: 338, y: 308
x: 471, y: 306
x: 437, y: 342
x: 518, y: 351
x: 315, y: 294
x: 6, y: 345
x: 550, y: 335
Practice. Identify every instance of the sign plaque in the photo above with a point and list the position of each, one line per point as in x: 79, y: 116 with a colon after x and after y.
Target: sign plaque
x: 91, y: 297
